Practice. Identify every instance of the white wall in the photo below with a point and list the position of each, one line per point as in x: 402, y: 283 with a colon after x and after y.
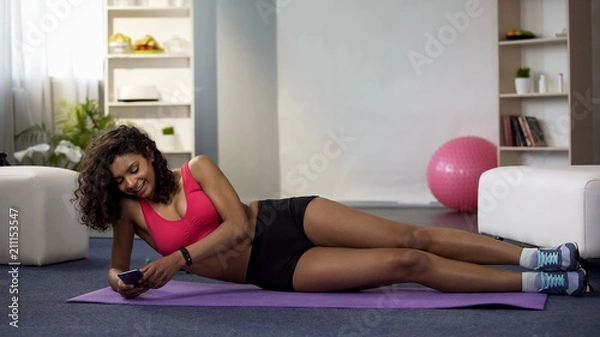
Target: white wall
x: 358, y: 120
x: 248, y: 149
x: 296, y: 76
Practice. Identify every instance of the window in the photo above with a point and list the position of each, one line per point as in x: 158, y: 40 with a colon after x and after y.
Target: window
x: 72, y: 31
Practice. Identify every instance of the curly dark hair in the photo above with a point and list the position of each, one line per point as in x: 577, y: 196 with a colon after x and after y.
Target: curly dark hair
x: 98, y: 197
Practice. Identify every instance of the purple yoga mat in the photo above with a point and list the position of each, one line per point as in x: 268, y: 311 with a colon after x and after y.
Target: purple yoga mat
x: 179, y: 293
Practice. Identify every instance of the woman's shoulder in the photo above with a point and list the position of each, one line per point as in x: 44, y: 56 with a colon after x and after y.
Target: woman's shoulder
x: 199, y: 161
x: 129, y: 206
x: 203, y: 169
x: 199, y: 164
x: 129, y: 202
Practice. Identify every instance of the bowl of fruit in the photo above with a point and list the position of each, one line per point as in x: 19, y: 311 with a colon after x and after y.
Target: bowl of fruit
x: 147, y: 45
x: 519, y: 34
x: 119, y: 44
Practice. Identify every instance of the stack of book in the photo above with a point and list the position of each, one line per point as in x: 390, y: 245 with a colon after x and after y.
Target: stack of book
x: 523, y: 131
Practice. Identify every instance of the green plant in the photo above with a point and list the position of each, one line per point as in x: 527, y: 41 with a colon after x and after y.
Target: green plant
x: 80, y: 122
x: 169, y: 130
x: 76, y: 125
x: 523, y: 72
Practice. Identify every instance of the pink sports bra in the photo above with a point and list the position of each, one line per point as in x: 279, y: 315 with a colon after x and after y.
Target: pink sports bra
x: 200, y: 219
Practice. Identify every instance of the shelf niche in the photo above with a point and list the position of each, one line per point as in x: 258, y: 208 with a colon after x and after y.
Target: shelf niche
x: 566, y: 116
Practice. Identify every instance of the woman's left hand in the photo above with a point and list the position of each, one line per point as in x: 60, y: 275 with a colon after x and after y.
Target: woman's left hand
x: 158, y: 273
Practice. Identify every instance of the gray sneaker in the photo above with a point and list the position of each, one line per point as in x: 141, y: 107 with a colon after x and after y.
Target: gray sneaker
x: 562, y: 258
x: 571, y: 283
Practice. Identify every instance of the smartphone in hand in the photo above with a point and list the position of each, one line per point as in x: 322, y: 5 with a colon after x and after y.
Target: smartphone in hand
x: 131, y: 276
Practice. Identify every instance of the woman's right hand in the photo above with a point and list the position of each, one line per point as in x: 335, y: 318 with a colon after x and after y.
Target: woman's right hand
x: 126, y: 290
x: 129, y: 291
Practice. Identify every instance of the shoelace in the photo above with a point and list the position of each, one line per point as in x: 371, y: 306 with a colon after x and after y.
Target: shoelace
x: 546, y: 258
x: 552, y: 280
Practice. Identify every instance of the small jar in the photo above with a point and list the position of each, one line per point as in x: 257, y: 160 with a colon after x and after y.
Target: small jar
x: 177, y: 45
x: 177, y: 3
x: 560, y: 87
x: 124, y: 3
x: 543, y: 86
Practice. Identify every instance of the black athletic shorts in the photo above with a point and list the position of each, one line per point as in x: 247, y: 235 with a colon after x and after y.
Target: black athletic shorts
x: 278, y: 243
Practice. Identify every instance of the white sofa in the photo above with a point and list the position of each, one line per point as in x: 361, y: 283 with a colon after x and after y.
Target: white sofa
x: 36, y: 199
x: 542, y: 206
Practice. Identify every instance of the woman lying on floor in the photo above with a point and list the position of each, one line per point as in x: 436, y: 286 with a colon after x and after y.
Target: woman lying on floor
x: 193, y: 217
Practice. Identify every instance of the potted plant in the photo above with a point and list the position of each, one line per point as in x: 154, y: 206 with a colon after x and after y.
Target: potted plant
x: 169, y: 139
x: 523, y: 83
x: 76, y: 125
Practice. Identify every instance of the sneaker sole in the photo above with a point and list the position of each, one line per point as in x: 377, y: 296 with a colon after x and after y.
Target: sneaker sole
x: 574, y: 257
x: 583, y: 282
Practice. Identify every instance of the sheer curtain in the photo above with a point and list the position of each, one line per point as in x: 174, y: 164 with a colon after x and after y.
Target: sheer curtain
x: 76, y: 53
x: 51, y: 50
x: 6, y: 96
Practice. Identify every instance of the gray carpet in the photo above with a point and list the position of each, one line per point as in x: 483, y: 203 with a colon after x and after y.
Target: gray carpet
x: 42, y: 311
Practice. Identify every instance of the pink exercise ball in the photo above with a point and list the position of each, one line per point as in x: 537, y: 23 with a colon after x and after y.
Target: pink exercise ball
x: 454, y: 170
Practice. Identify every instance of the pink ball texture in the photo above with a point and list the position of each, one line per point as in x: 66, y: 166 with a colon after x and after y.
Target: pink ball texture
x: 454, y: 170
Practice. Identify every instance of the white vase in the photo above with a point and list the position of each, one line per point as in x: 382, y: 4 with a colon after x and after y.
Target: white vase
x: 170, y: 143
x: 523, y: 85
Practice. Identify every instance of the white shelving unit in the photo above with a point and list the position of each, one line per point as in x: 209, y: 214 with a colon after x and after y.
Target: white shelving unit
x: 172, y: 74
x: 566, y: 122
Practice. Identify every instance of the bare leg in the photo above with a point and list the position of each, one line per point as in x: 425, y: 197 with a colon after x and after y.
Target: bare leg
x: 335, y: 269
x: 331, y: 224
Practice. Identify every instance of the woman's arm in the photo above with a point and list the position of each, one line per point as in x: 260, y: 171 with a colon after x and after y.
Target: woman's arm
x: 234, y: 232
x: 120, y: 257
x: 232, y: 235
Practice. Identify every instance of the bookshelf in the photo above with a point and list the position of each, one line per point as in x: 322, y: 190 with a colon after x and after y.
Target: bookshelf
x: 565, y: 117
x: 171, y: 73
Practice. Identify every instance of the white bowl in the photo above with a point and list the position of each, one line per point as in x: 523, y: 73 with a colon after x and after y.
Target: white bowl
x: 138, y: 93
x: 119, y: 47
x: 121, y: 3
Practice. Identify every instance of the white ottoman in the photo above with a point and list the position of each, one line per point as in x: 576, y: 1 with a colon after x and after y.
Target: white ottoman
x: 542, y: 206
x: 36, y: 199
